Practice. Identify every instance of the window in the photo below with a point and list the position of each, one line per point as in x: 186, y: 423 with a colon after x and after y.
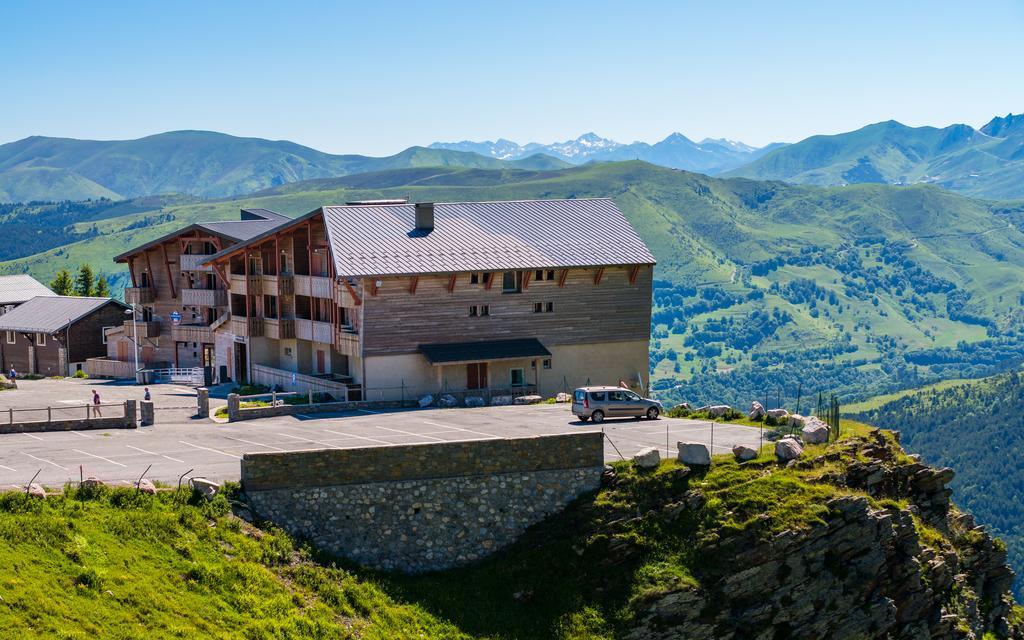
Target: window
x: 103, y: 332
x: 10, y: 337
x: 472, y: 311
x: 538, y: 275
x: 616, y: 396
x: 512, y: 282
x: 598, y: 396
x: 537, y: 307
x: 474, y: 278
x: 487, y: 278
x: 270, y: 306
x: 632, y: 397
x: 41, y: 339
x: 579, y: 396
x: 550, y: 274
x: 547, y: 363
x: 516, y: 377
x: 549, y: 307
x: 485, y: 310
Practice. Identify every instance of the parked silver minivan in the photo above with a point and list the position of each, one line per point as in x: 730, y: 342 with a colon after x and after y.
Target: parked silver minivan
x: 598, y: 403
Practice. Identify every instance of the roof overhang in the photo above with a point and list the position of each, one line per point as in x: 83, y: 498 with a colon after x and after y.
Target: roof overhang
x: 483, y: 351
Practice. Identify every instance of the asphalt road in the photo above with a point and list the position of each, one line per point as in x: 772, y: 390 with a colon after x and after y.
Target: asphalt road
x: 180, y: 444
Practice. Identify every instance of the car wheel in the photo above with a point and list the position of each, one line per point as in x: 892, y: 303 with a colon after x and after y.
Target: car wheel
x: 597, y: 417
x: 652, y: 413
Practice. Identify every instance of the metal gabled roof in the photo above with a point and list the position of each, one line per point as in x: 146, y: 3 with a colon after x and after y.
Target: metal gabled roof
x: 258, y: 222
x: 22, y: 287
x: 482, y: 236
x: 49, y: 314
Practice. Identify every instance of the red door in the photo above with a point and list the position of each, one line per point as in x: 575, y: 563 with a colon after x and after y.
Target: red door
x: 476, y: 375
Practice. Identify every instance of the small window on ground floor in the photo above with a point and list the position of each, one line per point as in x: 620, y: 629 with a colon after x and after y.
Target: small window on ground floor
x: 538, y: 307
x: 40, y: 339
x: 547, y: 363
x: 516, y: 377
x: 10, y: 337
x: 549, y: 307
x: 538, y: 275
x: 485, y: 310
x: 103, y: 332
x: 550, y: 274
x: 474, y: 278
x: 472, y: 311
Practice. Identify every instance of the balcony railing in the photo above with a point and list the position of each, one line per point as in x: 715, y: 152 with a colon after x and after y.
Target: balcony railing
x: 204, y: 297
x: 252, y: 329
x: 146, y: 329
x: 315, y: 286
x: 282, y: 285
x: 193, y: 262
x: 253, y: 286
x: 314, y: 331
x: 279, y: 329
x: 347, y: 343
x: 139, y: 295
x: 192, y: 333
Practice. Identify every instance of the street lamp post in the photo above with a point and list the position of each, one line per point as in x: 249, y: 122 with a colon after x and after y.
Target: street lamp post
x: 135, y: 338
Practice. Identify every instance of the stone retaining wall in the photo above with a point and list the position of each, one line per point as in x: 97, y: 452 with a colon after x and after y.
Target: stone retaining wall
x: 416, y: 508
x: 237, y: 413
x: 126, y: 421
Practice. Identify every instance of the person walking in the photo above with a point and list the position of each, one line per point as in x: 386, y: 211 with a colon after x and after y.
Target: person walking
x: 14, y: 374
x: 96, y: 403
x: 146, y: 396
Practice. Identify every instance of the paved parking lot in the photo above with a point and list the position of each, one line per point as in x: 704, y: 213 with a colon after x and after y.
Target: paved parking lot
x: 178, y: 443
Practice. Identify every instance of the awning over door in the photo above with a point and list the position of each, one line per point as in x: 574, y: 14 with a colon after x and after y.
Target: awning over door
x: 482, y: 351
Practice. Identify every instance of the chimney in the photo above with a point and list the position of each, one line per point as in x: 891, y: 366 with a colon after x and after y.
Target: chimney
x: 424, y: 216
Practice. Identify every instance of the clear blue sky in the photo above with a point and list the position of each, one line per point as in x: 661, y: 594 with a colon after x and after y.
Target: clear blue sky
x: 376, y: 77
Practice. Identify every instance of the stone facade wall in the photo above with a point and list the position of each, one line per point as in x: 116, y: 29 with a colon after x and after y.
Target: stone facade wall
x: 424, y: 507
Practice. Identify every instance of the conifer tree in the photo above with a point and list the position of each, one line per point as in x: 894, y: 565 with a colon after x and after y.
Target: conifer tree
x: 85, y: 281
x: 102, y: 288
x: 62, y: 284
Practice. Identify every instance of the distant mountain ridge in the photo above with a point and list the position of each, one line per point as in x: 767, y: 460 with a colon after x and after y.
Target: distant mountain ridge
x: 676, y: 151
x: 199, y: 163
x: 986, y: 162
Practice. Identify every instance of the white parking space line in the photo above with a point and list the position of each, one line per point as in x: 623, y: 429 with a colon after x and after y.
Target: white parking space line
x: 44, y: 460
x: 223, y: 453
x: 92, y: 455
x: 32, y: 436
x: 322, y: 444
x: 152, y: 453
x: 355, y: 437
x: 490, y: 436
x: 8, y: 468
x: 258, y: 444
x: 82, y: 434
x: 409, y: 433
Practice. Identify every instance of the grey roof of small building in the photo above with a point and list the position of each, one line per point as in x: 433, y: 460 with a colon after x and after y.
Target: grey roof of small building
x: 253, y: 222
x: 482, y: 236
x: 483, y: 350
x: 22, y: 287
x: 49, y: 314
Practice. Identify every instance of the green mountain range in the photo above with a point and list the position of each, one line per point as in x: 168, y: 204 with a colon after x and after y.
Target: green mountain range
x: 200, y: 163
x: 762, y: 287
x: 986, y: 162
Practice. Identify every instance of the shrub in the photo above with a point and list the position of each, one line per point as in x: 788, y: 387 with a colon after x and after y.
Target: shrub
x: 80, y: 374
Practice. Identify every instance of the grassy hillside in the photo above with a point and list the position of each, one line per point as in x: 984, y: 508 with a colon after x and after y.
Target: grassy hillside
x: 200, y: 163
x: 761, y: 286
x: 976, y: 427
x: 983, y: 163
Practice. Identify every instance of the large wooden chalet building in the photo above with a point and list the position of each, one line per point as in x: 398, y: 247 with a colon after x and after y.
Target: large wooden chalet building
x: 386, y: 299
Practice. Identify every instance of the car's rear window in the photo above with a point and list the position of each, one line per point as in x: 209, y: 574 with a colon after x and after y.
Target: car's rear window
x: 598, y: 396
x: 580, y: 395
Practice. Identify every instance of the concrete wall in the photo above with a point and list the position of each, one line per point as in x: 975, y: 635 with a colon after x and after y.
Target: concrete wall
x: 127, y: 420
x: 415, y: 508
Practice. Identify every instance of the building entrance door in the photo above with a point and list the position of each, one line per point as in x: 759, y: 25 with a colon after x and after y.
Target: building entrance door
x: 476, y: 375
x: 241, y: 370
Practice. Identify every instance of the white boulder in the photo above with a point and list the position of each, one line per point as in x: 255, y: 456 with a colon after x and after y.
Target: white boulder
x: 92, y: 482
x: 145, y: 486
x: 474, y: 401
x: 447, y: 401
x: 796, y: 420
x: 756, y: 411
x: 527, y: 400
x: 744, y: 453
x: 206, y: 488
x: 563, y: 397
x: 426, y: 401
x: 814, y: 431
x: 648, y: 458
x: 36, y: 490
x: 694, y: 454
x: 778, y: 414
x: 788, y: 449
x: 718, y: 410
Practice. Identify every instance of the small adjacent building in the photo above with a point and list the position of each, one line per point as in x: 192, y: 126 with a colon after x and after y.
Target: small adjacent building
x: 390, y: 300
x: 178, y: 302
x: 17, y: 289
x: 54, y: 335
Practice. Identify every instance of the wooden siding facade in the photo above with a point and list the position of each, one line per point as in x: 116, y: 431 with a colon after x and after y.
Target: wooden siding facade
x: 49, y: 354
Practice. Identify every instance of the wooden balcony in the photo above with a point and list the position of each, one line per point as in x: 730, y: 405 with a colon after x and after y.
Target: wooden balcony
x: 314, y: 331
x: 194, y: 262
x: 282, y: 285
x: 279, y: 329
x: 146, y: 329
x: 314, y: 286
x: 139, y: 295
x: 204, y: 297
x: 343, y: 297
x: 192, y: 333
x: 251, y: 329
x: 347, y: 343
x: 242, y: 286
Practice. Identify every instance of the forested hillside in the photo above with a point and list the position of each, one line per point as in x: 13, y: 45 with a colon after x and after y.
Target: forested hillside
x: 761, y: 287
x: 976, y: 427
